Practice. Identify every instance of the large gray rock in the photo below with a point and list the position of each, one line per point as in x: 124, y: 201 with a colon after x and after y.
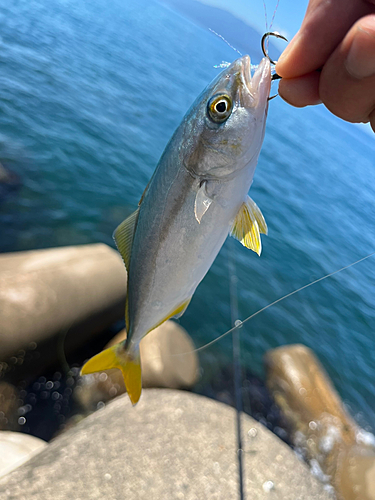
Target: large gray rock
x: 172, y: 445
x: 16, y: 448
x: 45, y: 293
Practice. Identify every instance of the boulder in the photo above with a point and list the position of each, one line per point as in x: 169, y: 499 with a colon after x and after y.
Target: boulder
x: 167, y: 359
x: 9, y: 403
x: 172, y: 445
x: 16, y: 448
x: 339, y: 451
x: 66, y: 294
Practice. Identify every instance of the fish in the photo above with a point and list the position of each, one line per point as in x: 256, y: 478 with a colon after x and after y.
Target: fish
x: 197, y: 195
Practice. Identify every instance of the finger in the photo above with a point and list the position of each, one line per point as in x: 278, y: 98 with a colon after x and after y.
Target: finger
x: 347, y: 82
x: 324, y: 26
x: 372, y: 120
x: 301, y: 91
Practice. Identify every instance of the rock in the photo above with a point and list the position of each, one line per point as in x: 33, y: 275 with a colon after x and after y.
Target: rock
x: 167, y: 357
x: 164, y: 364
x: 172, y: 445
x: 338, y: 450
x: 16, y: 448
x: 66, y: 294
x: 8, y: 407
x: 356, y: 478
x: 257, y: 400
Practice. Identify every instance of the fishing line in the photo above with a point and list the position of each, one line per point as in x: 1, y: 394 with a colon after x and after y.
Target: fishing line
x: 272, y: 20
x: 226, y: 41
x: 239, y: 325
x: 274, y: 14
x: 265, y: 15
x: 233, y: 295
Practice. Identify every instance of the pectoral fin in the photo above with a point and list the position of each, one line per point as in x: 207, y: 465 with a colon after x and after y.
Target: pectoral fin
x: 248, y: 225
x: 258, y: 215
x: 202, y: 202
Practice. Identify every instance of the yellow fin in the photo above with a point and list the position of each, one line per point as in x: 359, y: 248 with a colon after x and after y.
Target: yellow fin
x: 123, y: 236
x: 144, y: 192
x: 258, y: 215
x: 116, y: 357
x: 248, y: 225
x: 176, y: 313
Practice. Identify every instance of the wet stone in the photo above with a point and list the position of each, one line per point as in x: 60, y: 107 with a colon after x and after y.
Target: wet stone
x: 339, y: 452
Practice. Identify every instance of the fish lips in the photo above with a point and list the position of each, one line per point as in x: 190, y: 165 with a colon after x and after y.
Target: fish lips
x: 257, y: 85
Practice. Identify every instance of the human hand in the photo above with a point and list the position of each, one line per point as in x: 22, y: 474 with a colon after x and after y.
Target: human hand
x: 332, y: 60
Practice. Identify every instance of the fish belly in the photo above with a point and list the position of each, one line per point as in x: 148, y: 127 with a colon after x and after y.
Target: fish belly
x: 182, y: 252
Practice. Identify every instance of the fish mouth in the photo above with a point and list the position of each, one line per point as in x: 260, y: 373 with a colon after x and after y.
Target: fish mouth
x: 259, y: 83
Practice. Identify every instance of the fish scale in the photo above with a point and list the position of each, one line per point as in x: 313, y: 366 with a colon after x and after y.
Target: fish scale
x: 195, y: 198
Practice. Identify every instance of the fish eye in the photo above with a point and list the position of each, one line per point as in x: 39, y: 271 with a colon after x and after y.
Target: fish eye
x: 219, y: 108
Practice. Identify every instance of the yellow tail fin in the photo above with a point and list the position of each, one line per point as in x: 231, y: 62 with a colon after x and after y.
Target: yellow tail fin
x: 116, y: 357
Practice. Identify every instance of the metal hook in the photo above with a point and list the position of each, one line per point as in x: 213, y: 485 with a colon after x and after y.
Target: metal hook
x: 275, y: 76
x: 266, y: 35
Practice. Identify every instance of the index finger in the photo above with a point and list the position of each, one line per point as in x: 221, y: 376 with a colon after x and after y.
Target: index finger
x: 324, y: 26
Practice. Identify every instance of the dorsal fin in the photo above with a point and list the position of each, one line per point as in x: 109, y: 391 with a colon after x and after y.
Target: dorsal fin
x: 248, y: 225
x: 123, y: 236
x: 144, y: 192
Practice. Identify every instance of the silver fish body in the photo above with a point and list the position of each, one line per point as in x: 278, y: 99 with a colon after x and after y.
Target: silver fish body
x: 197, y: 195
x: 173, y: 251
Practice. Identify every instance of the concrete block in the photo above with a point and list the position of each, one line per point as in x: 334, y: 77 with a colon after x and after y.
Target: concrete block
x: 16, y: 448
x: 172, y: 445
x: 76, y: 290
x: 341, y: 453
x: 168, y: 360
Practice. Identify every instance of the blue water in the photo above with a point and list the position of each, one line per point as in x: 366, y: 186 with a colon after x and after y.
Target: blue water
x: 90, y: 93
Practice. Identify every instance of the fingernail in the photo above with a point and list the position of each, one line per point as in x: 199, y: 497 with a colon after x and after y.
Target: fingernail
x: 360, y: 61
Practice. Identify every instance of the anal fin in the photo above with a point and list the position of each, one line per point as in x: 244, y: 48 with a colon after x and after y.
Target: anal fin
x: 181, y: 309
x: 248, y: 225
x: 175, y: 313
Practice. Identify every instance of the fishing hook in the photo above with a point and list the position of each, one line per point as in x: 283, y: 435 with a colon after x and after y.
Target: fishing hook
x: 264, y: 50
x: 275, y: 76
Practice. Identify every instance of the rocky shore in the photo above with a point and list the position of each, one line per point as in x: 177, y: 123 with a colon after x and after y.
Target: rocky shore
x: 173, y: 444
